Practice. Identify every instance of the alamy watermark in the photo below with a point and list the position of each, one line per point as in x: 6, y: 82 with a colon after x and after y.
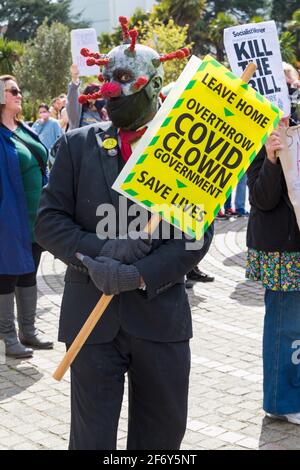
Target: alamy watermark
x: 296, y: 353
x: 129, y: 221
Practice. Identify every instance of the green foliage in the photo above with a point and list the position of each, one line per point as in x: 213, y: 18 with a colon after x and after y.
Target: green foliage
x: 10, y: 53
x: 206, y: 17
x: 43, y: 71
x: 294, y: 26
x: 25, y: 16
x: 257, y: 19
x: 139, y: 16
x: 282, y: 11
x: 109, y: 40
x: 216, y: 28
x: 166, y: 38
x: 182, y: 11
x: 287, y: 46
x: 242, y: 10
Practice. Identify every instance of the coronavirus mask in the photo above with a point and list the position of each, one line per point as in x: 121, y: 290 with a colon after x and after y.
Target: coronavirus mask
x: 132, y: 78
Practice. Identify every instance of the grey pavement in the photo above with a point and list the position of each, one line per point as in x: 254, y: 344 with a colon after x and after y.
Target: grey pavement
x: 226, y: 378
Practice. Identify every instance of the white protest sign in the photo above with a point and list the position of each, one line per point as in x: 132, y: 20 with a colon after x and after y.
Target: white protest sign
x: 80, y: 38
x: 258, y: 42
x: 290, y: 162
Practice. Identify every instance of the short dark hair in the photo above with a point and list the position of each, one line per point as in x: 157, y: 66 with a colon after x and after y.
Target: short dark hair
x: 44, y: 105
x: 91, y: 88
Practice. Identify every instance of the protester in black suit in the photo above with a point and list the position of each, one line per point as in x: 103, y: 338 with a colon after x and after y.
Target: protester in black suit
x: 146, y: 328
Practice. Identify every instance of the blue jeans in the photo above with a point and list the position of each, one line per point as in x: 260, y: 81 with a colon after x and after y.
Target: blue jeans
x: 227, y: 204
x: 281, y: 352
x: 240, y: 195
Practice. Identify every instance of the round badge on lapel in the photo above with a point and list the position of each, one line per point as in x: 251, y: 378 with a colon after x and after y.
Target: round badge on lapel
x: 110, y: 143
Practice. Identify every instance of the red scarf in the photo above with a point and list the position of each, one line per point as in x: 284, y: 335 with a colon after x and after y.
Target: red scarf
x: 127, y: 138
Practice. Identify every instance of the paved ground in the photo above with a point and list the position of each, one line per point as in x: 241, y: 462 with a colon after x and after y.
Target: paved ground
x: 226, y: 379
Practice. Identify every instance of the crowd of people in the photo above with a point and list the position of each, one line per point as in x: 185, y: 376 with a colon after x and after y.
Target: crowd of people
x: 29, y: 145
x: 152, y: 343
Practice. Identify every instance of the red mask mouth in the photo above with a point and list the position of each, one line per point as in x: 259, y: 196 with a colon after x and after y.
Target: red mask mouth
x: 111, y: 90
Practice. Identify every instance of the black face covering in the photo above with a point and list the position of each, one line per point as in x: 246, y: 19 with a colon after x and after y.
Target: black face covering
x: 132, y: 111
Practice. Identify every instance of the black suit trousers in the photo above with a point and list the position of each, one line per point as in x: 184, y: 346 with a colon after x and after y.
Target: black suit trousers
x: 158, y: 379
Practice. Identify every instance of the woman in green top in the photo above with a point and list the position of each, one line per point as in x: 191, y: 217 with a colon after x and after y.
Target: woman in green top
x: 22, y: 160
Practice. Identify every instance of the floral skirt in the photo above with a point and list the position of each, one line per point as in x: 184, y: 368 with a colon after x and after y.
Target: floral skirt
x: 277, y: 271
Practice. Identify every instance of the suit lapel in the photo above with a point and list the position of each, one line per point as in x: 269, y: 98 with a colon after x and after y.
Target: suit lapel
x: 109, y: 164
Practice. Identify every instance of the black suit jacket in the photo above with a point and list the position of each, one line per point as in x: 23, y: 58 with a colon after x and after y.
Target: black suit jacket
x: 272, y: 223
x: 80, y: 181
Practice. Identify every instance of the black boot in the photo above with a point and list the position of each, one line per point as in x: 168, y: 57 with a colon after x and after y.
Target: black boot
x: 199, y: 276
x: 26, y: 304
x: 13, y: 348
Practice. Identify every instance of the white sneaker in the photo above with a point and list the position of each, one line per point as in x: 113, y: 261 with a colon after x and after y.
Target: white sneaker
x: 291, y: 417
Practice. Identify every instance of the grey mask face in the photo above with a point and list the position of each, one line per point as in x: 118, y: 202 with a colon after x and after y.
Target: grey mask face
x: 125, y: 68
x: 134, y: 106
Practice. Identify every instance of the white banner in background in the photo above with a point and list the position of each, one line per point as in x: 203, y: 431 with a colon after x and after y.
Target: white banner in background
x: 290, y: 162
x: 258, y: 42
x: 80, y: 38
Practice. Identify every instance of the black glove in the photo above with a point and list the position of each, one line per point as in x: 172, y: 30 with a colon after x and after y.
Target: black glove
x: 110, y: 276
x: 127, y: 250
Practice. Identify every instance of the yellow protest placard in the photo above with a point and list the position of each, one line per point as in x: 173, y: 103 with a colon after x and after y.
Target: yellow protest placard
x: 201, y: 142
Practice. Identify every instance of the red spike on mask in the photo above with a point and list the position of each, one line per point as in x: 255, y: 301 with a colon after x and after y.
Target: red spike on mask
x: 85, y: 52
x: 186, y: 51
x: 91, y: 61
x: 82, y: 99
x: 96, y: 95
x: 96, y: 55
x: 94, y: 58
x: 133, y: 33
x: 102, y: 61
x: 180, y: 54
x: 124, y: 25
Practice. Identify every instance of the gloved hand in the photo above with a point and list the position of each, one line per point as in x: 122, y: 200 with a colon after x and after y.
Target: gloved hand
x: 110, y: 276
x: 127, y: 250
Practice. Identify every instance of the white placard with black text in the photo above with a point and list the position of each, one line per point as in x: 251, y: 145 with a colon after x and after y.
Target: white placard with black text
x: 80, y: 38
x: 258, y: 42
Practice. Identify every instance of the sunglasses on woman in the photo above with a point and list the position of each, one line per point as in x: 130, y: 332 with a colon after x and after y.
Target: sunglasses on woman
x: 14, y: 91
